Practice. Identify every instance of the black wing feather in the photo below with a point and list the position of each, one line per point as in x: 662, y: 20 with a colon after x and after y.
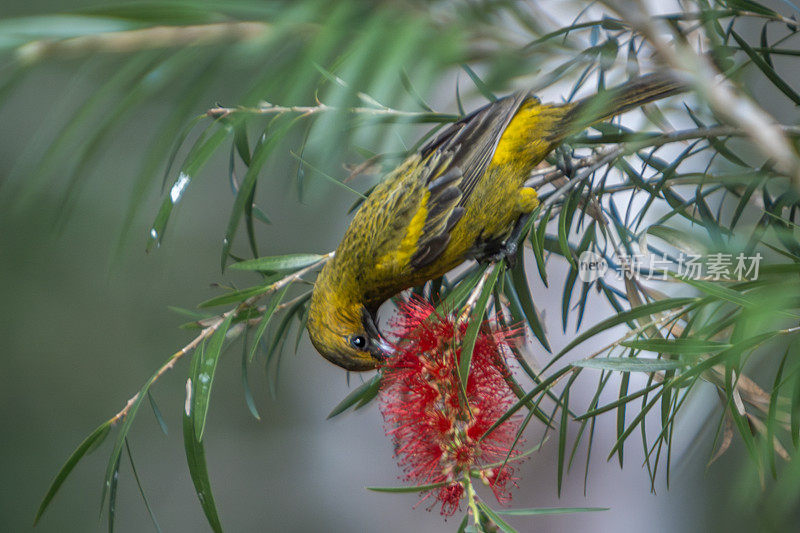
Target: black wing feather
x: 473, y: 140
x: 456, y: 160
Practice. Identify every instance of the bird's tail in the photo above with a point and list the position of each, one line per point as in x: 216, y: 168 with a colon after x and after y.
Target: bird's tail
x: 606, y: 104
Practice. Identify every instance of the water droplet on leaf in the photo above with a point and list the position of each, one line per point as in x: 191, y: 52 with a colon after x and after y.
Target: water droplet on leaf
x: 178, y: 189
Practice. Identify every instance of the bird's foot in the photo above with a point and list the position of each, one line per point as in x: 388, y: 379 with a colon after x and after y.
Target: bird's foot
x: 496, y: 252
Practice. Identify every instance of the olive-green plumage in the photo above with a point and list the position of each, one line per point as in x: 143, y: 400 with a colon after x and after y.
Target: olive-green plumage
x: 458, y: 197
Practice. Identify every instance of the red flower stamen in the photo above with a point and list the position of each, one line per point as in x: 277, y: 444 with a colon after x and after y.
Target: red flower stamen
x: 436, y: 436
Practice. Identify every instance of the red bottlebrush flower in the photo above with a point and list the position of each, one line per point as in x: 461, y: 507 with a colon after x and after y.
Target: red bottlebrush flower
x: 436, y: 437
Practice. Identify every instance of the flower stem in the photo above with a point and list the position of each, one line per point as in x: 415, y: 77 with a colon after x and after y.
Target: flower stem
x: 476, y: 514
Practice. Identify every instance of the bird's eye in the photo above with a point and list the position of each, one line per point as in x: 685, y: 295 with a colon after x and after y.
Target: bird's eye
x: 359, y: 342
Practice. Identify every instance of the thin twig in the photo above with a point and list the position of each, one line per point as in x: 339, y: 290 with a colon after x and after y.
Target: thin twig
x: 267, y: 108
x: 142, y: 39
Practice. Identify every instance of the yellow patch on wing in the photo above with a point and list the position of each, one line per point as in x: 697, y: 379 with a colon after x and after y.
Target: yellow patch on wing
x: 516, y: 138
x: 528, y: 200
x: 408, y: 245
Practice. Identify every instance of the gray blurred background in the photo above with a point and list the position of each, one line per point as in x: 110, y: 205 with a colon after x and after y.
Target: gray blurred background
x: 81, y: 329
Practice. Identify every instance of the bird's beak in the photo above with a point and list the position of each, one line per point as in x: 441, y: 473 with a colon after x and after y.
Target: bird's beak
x: 379, y: 348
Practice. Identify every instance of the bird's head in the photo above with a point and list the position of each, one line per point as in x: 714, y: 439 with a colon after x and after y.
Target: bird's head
x: 342, y: 329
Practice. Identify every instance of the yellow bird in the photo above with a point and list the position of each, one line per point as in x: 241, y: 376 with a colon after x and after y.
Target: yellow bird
x: 458, y: 198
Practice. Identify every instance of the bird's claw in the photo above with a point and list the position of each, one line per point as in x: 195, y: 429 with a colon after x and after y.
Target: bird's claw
x: 506, y: 251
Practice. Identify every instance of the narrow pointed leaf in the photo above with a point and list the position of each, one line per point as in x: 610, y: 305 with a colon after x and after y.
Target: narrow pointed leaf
x: 242, y: 295
x: 157, y: 414
x: 494, y: 517
x: 141, y: 488
x: 205, y: 377
x: 112, y: 495
x: 685, y: 346
x: 475, y: 322
x: 417, y: 488
x: 192, y: 167
x: 520, y: 290
x: 278, y: 263
x: 248, y: 394
x: 195, y: 452
x: 626, y: 316
x: 125, y: 427
x: 355, y: 397
x: 768, y: 71
x: 259, y: 158
x: 484, y: 90
x: 265, y: 319
x: 456, y: 297
x: 551, y: 510
x: 89, y: 443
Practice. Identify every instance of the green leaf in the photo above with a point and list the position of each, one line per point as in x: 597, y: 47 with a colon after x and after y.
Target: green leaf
x: 564, y: 223
x: 630, y: 364
x: 125, y: 427
x: 242, y: 295
x: 248, y: 394
x: 204, y: 378
x: 456, y: 297
x: 620, y: 401
x: 356, y: 396
x: 196, y: 160
x: 639, y: 418
x: 795, y: 413
x: 684, y: 346
x: 519, y: 293
x: 247, y: 188
x: 537, y: 238
x: 768, y: 71
x: 750, y: 5
x: 141, y: 488
x: 772, y: 415
x: 682, y: 240
x: 195, y: 452
x: 157, y: 413
x: 475, y: 323
x: 484, y: 90
x: 418, y: 488
x: 764, y: 50
x: 731, y: 353
x: 462, y: 527
x: 266, y: 317
x: 494, y: 517
x: 89, y: 443
x: 718, y: 145
x: 562, y: 433
x: 550, y: 510
x: 370, y: 394
x: 606, y: 22
x: 279, y: 263
x: 112, y: 495
x: 623, y: 393
x: 621, y: 318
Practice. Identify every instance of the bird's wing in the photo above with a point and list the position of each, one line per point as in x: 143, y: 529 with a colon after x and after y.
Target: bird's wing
x: 418, y: 204
x: 406, y: 221
x: 473, y: 139
x: 457, y: 159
